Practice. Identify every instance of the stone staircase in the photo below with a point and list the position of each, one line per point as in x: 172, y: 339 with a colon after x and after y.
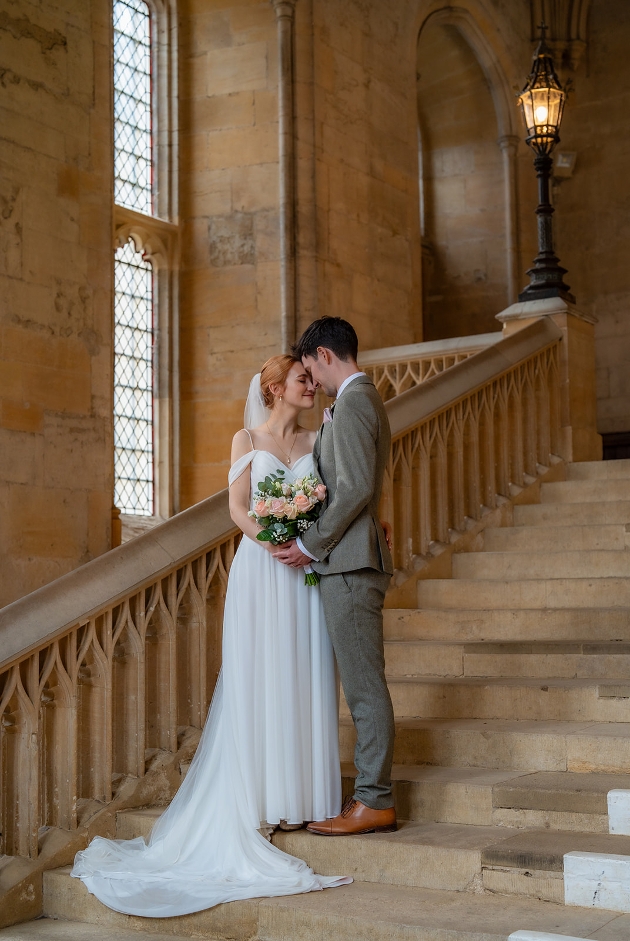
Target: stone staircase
x: 511, y: 687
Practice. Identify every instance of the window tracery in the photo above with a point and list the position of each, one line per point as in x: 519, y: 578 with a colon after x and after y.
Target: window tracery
x: 146, y: 246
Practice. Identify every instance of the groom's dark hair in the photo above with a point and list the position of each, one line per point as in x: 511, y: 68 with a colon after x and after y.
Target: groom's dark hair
x: 332, y: 333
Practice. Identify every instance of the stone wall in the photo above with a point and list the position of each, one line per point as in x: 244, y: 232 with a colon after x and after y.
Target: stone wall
x: 366, y: 182
x: 230, y: 315
x: 463, y: 201
x: 55, y: 290
x: 592, y: 216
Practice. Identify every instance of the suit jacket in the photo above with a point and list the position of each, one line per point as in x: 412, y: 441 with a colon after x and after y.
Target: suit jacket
x: 350, y: 456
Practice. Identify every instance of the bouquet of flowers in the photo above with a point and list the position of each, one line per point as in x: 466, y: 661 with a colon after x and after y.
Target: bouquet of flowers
x: 286, y: 510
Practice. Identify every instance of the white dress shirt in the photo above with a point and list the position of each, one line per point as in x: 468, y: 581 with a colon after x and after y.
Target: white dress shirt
x: 346, y: 382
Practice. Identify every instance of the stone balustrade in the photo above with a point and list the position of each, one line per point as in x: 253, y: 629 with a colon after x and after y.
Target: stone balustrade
x: 395, y: 369
x: 106, y: 666
x: 470, y: 437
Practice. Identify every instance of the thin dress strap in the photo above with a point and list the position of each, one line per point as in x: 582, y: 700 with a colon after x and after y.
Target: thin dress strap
x: 238, y: 467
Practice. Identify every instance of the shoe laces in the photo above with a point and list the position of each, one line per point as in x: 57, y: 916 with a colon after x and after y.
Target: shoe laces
x: 348, y: 806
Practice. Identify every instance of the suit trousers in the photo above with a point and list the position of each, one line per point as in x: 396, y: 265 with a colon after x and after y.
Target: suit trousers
x: 353, y: 607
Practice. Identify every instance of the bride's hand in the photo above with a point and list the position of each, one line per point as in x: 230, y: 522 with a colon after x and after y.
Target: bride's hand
x: 387, y: 529
x: 269, y: 546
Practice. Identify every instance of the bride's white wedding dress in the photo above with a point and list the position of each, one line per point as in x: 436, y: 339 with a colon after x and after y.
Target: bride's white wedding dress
x: 269, y: 752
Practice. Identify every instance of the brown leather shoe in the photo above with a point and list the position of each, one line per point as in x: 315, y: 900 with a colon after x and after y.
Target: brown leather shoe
x: 355, y: 817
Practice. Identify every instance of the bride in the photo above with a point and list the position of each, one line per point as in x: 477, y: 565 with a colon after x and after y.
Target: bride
x: 269, y: 751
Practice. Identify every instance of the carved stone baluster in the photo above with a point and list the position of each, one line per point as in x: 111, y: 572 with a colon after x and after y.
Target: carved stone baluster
x: 160, y: 666
x: 21, y: 762
x: 471, y: 457
x: 488, y: 481
x: 423, y: 488
x: 386, y: 507
x: 541, y: 390
x: 515, y: 427
x: 128, y: 689
x: 439, y: 477
x: 455, y: 443
x: 56, y: 738
x: 190, y: 622
x: 555, y: 405
x: 93, y: 717
x: 502, y: 438
x: 529, y: 417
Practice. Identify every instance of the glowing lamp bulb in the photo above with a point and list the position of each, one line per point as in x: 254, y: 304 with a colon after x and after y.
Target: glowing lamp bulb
x: 540, y: 114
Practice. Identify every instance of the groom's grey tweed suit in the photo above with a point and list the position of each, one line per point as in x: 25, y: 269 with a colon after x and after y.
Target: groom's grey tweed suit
x: 355, y: 565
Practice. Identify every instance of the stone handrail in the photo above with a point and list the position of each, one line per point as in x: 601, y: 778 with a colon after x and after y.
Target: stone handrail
x: 396, y: 369
x: 106, y: 665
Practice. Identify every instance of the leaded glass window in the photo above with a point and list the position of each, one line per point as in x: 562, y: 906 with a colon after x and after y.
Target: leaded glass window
x: 132, y: 105
x: 133, y: 382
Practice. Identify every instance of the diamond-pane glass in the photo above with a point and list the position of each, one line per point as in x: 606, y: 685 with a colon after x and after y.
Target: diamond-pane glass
x: 133, y: 382
x: 132, y: 105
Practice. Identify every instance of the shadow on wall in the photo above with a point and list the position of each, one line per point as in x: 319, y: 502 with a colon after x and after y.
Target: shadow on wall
x: 462, y: 195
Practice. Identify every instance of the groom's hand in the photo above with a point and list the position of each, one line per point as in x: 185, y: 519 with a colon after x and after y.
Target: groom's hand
x: 291, y: 555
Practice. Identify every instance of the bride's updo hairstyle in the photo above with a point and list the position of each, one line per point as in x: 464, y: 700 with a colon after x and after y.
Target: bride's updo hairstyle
x: 275, y: 372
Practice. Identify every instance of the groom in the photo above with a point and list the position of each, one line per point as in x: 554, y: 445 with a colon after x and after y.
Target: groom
x: 347, y: 547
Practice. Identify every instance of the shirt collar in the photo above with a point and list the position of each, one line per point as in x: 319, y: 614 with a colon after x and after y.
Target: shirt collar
x: 346, y: 382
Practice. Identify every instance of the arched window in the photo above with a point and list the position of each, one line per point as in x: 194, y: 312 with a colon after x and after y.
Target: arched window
x: 145, y: 262
x: 133, y: 163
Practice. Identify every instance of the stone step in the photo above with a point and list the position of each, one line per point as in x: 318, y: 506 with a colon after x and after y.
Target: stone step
x: 367, y: 912
x: 518, y: 566
x: 470, y: 625
x: 600, y: 513
x: 426, y: 855
x: 490, y: 659
x: 476, y: 796
x: 599, y: 470
x: 503, y: 744
x: 429, y: 854
x: 561, y: 800
x: 531, y: 862
x: 359, y: 912
x: 51, y: 929
x: 68, y: 899
x: 586, y: 491
x: 540, y: 659
x: 524, y: 593
x: 423, y: 658
x: 557, y: 699
x: 456, y: 857
x: 562, y: 539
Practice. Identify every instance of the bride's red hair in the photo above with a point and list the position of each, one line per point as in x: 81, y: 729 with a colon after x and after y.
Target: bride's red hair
x: 275, y: 372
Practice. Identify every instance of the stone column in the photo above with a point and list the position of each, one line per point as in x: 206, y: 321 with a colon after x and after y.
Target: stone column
x: 580, y: 440
x: 285, y: 13
x: 509, y: 149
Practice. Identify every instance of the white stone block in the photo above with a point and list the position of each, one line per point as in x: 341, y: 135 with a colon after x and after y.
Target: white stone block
x: 597, y: 880
x: 541, y: 936
x: 619, y: 811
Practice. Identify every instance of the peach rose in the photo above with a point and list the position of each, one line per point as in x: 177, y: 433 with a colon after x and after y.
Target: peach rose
x: 260, y: 508
x: 278, y: 506
x: 320, y: 492
x: 302, y: 503
x: 291, y: 511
